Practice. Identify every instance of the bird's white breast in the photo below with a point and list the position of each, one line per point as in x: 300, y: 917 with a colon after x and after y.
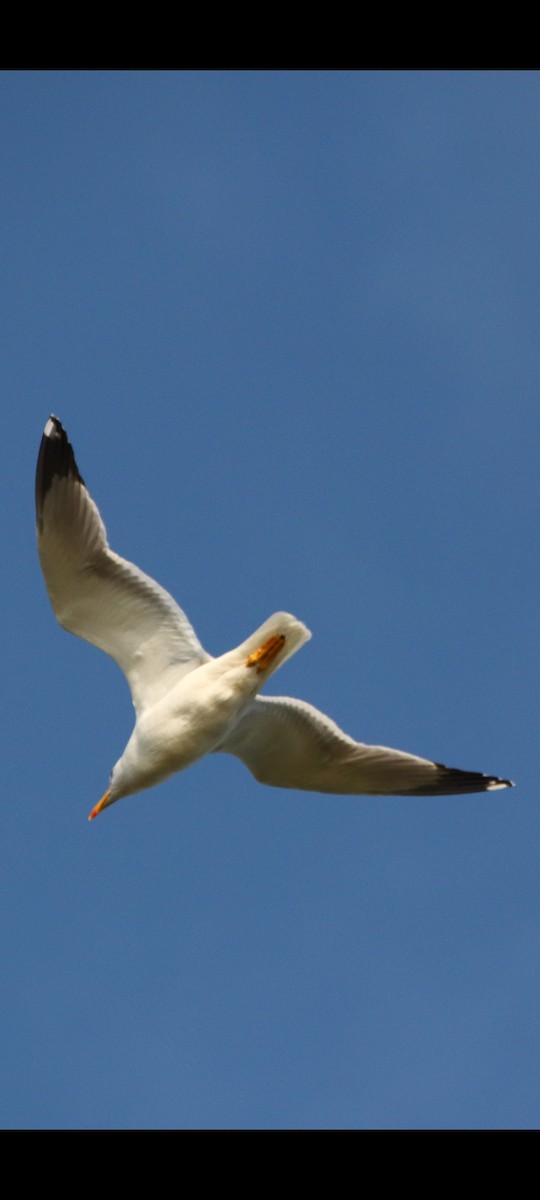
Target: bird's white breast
x: 189, y: 722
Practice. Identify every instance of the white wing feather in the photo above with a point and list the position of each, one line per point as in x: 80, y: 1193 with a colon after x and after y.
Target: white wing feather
x: 99, y: 596
x: 289, y: 743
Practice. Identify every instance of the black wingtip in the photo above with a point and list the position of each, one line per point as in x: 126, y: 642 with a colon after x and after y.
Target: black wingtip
x: 55, y: 457
x: 452, y: 782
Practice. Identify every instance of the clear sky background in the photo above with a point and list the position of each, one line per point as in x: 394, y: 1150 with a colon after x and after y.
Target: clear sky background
x: 290, y: 321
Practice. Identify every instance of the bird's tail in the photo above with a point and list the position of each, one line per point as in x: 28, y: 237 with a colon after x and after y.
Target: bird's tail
x: 273, y: 643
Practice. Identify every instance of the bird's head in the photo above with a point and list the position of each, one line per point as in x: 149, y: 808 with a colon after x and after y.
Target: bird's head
x: 115, y: 791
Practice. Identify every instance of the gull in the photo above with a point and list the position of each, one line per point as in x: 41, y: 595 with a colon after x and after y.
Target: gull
x: 187, y: 703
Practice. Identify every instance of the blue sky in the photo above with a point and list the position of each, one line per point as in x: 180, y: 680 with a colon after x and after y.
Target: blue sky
x: 290, y: 322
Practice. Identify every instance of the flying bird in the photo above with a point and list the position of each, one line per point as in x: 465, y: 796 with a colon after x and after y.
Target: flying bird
x: 187, y: 703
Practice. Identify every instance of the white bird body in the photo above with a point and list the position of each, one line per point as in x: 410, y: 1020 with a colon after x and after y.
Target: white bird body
x: 199, y: 713
x: 187, y: 703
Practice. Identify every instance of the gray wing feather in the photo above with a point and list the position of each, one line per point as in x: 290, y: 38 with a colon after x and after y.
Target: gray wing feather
x: 288, y: 743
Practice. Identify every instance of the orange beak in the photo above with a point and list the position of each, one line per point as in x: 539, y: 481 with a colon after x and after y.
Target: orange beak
x: 100, y: 806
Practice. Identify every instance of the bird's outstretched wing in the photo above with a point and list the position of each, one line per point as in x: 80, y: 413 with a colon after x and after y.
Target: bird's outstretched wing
x: 288, y: 743
x: 98, y: 595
